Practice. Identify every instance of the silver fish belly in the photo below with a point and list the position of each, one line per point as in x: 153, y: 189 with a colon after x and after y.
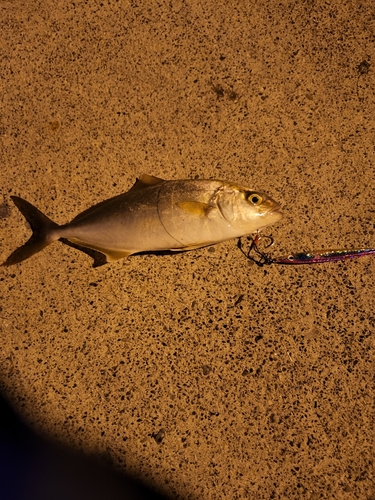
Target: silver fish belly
x: 155, y: 215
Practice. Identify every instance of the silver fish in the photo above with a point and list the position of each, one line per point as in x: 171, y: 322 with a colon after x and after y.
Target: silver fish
x: 155, y: 215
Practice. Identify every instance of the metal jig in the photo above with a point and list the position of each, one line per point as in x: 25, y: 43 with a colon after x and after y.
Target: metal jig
x: 321, y: 256
x: 261, y: 258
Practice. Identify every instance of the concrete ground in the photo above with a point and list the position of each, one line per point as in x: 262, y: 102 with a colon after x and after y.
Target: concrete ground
x: 200, y: 373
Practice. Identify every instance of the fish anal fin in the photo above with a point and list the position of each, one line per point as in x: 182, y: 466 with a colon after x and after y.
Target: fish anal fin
x: 196, y: 208
x: 111, y: 255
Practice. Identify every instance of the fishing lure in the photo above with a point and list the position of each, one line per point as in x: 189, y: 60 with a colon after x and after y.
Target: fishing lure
x: 317, y: 257
x: 321, y: 256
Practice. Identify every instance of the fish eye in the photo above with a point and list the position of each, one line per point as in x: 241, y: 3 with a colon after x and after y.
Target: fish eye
x: 254, y: 198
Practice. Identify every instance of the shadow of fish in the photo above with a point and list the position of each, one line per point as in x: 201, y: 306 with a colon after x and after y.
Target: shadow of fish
x: 155, y: 215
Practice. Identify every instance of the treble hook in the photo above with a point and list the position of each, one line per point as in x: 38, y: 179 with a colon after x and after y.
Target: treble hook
x: 260, y: 258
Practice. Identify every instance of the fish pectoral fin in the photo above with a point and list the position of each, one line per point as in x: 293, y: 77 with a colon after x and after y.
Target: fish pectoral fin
x: 196, y: 208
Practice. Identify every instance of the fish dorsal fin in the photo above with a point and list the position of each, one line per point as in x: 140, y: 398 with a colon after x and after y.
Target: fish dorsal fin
x: 141, y: 183
x: 149, y: 180
x: 145, y: 181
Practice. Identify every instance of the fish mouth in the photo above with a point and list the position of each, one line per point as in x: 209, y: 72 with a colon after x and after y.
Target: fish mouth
x: 274, y: 212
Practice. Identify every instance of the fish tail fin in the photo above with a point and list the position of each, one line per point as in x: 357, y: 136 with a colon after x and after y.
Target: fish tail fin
x: 44, y: 232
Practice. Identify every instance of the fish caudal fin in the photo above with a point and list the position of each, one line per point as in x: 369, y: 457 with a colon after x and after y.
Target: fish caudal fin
x: 44, y: 232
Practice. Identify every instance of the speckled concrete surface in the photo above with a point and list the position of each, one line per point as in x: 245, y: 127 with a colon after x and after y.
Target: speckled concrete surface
x: 201, y: 373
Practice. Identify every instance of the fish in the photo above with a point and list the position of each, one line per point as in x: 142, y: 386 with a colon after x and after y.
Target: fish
x: 155, y: 215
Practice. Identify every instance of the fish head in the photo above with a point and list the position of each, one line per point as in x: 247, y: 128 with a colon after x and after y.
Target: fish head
x: 245, y: 209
